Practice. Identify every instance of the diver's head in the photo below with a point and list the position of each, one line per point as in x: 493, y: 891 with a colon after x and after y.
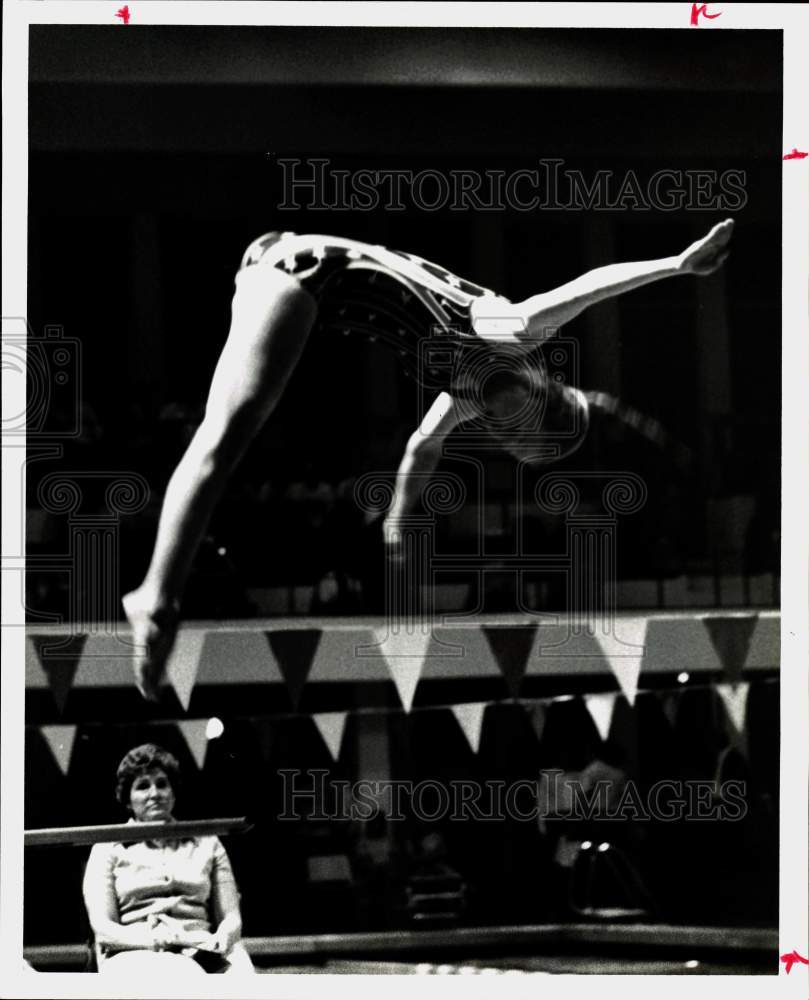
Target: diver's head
x: 509, y: 394
x: 537, y: 421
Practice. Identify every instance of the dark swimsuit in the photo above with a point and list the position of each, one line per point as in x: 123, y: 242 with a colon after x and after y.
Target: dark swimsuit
x: 420, y: 310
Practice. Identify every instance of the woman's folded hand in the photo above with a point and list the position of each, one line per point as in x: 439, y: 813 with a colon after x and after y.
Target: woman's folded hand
x: 163, y: 937
x: 224, y: 938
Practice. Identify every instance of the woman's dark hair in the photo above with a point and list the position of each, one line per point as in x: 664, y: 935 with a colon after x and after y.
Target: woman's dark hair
x: 139, y: 760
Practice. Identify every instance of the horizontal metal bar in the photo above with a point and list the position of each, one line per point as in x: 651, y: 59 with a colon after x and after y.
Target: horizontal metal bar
x: 728, y: 940
x: 337, y: 623
x: 130, y: 832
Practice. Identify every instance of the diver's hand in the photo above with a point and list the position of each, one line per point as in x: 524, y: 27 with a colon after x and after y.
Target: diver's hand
x: 394, y: 544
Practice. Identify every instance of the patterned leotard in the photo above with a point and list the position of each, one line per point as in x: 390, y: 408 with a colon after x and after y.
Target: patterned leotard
x: 422, y: 311
x: 414, y: 306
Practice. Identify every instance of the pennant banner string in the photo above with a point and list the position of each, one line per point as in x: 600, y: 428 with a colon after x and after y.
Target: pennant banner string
x: 526, y: 703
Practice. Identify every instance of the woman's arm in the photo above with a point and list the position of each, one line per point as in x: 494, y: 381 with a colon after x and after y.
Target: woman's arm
x: 550, y: 310
x: 422, y: 455
x: 224, y: 903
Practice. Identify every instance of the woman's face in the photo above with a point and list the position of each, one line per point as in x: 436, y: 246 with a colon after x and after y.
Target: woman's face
x: 151, y: 797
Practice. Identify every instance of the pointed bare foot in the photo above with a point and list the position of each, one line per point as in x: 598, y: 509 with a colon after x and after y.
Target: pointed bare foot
x: 153, y: 631
x: 708, y: 254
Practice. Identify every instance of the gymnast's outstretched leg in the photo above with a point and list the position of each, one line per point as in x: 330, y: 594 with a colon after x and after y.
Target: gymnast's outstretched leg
x: 539, y: 317
x: 271, y: 319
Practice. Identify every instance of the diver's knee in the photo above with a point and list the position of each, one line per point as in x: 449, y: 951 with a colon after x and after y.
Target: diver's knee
x: 261, y: 286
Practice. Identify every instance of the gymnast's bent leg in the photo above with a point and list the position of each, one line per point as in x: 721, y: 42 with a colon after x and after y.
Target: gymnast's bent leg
x: 271, y: 319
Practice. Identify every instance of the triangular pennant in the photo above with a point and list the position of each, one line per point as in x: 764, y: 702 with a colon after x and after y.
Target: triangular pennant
x: 666, y: 638
x: 294, y: 649
x: 670, y: 703
x: 734, y: 698
x: 107, y: 656
x: 601, y: 708
x: 732, y: 768
x: 244, y: 656
x: 348, y: 652
x: 183, y: 663
x: 60, y: 660
x: 470, y: 719
x: 35, y: 676
x: 195, y: 735
x: 60, y: 739
x: 625, y: 653
x: 511, y: 645
x: 720, y: 763
x: 331, y: 726
x: 404, y: 652
x: 624, y: 733
x: 731, y: 639
x: 559, y: 649
x: 765, y: 644
x: 460, y: 653
x: 538, y: 715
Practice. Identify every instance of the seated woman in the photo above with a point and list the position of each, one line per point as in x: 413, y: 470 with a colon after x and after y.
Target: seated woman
x: 287, y: 283
x: 161, y: 906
